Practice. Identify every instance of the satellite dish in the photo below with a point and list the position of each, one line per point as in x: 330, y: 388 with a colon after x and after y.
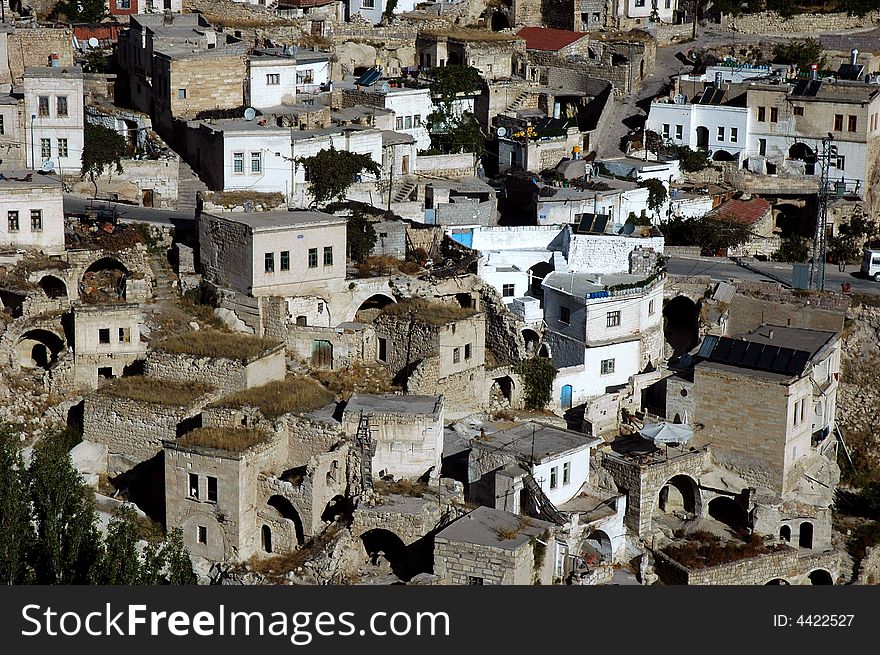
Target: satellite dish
x: 628, y: 229
x: 48, y: 166
x: 93, y: 42
x: 502, y: 131
x: 250, y: 114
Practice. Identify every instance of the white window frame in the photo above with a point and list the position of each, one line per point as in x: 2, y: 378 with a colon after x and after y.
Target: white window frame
x: 606, y: 366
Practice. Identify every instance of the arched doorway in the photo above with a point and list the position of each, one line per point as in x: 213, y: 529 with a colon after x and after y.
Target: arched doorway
x: 38, y: 348
x: 702, y: 137
x: 286, y: 511
x: 499, y: 22
x: 370, y: 308
x: 802, y: 152
x: 820, y: 576
x: 53, y: 287
x: 565, y: 398
x: 777, y: 581
x: 679, y: 494
x: 729, y: 512
x: 104, y: 281
x: 266, y: 539
x: 532, y: 339
x: 544, y: 351
x: 805, y: 535
x: 681, y: 324
x: 785, y: 533
x: 502, y: 391
x: 600, y: 540
x: 379, y: 543
x: 723, y: 155
x: 338, y: 507
x: 537, y: 273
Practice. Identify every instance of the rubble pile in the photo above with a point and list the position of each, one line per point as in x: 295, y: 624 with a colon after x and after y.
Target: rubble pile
x: 102, y: 287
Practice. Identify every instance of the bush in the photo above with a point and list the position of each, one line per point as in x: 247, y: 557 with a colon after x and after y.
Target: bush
x: 159, y: 392
x: 213, y: 343
x: 704, y: 549
x: 794, y: 248
x: 538, y: 374
x: 233, y: 440
x: 295, y: 394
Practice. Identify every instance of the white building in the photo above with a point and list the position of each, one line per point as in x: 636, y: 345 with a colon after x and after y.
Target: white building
x: 277, y: 75
x: 596, y: 329
x: 373, y: 10
x: 31, y: 212
x: 53, y: 112
x: 639, y: 12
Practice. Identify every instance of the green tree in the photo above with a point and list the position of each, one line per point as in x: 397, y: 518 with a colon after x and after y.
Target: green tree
x: 120, y: 562
x: 794, y: 248
x: 361, y: 236
x: 16, y: 531
x: 455, y: 131
x: 710, y: 234
x: 802, y: 53
x: 331, y: 172
x: 689, y: 159
x: 390, y: 6
x: 179, y: 565
x: 67, y: 544
x: 537, y: 374
x: 103, y: 150
x: 657, y: 194
x: 82, y: 11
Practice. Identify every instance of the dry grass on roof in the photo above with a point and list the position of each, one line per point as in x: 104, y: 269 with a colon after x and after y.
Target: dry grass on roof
x: 292, y: 395
x: 435, y: 313
x: 159, y: 392
x: 233, y: 440
x: 469, y: 35
x: 213, y: 343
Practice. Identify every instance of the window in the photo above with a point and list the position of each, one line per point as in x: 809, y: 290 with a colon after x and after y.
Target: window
x: 640, y: 3
x: 803, y: 409
x: 554, y: 472
x: 838, y: 122
x: 612, y: 319
x: 273, y: 79
x: 124, y: 335
x: 467, y: 351
x: 285, y: 260
x: 841, y: 163
x: 46, y: 148
x: 313, y: 258
x: 62, y: 147
x: 762, y: 114
x: 851, y: 124
x: 302, y: 320
x: 774, y: 114
x: 666, y: 130
x: 256, y: 162
x: 456, y: 355
x: 368, y: 4
x: 798, y: 111
x: 328, y: 255
x: 181, y: 94
x: 12, y: 218
x: 61, y: 105
x: 383, y: 350
x: 212, y: 489
x: 720, y: 133
x: 305, y: 77
x: 269, y: 261
x: 679, y: 131
x: 473, y: 580
x: 2, y: 126
x: 43, y: 105
x: 36, y: 220
x: 762, y: 147
x: 407, y: 123
x: 202, y: 534
x: 566, y: 473
x: 508, y: 290
x: 417, y: 121
x: 399, y: 122
x: 651, y: 307
x: 734, y: 134
x: 193, y: 485
x: 564, y: 315
x: 238, y: 162
x: 607, y: 366
x: 104, y: 335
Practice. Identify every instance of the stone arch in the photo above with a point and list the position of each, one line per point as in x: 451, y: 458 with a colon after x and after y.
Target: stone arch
x: 391, y: 546
x: 502, y: 390
x: 544, y: 351
x: 805, y: 535
x: 723, y: 155
x: 729, y: 512
x: 53, y: 287
x: 777, y: 581
x: 681, y: 324
x: 785, y: 533
x: 338, y: 506
x: 819, y: 577
x: 599, y: 540
x: 376, y: 301
x: 286, y: 511
x: 679, y: 493
x: 500, y: 21
x: 800, y: 151
x: 38, y: 348
x: 103, y: 280
x: 532, y: 340
x: 537, y: 273
x: 266, y: 538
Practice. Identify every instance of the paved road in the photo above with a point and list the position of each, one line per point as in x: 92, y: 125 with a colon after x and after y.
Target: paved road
x: 722, y: 269
x: 130, y: 214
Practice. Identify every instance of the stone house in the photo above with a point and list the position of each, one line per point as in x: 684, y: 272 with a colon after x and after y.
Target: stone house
x: 756, y: 214
x: 464, y: 203
x: 32, y: 212
x: 406, y: 432
x: 560, y: 42
x: 492, y: 547
x: 496, y: 55
x: 53, y: 109
x: 410, y: 106
x: 277, y: 75
x: 107, y: 341
x: 13, y: 154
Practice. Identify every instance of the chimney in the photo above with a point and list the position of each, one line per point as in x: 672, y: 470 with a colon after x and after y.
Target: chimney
x: 719, y: 78
x: 853, y: 56
x: 770, y: 334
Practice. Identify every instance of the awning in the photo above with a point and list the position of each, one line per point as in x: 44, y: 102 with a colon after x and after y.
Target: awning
x: 667, y: 432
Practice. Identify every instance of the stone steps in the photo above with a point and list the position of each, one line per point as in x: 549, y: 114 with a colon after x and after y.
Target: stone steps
x: 188, y: 187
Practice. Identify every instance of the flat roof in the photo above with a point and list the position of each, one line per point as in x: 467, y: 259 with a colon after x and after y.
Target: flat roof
x: 298, y: 56
x: 279, y: 219
x: 390, y: 403
x: 301, y: 135
x: 486, y: 526
x: 241, y: 125
x: 472, y: 184
x: 74, y: 72
x: 580, y: 284
x: 28, y: 179
x: 391, y: 138
x: 536, y: 438
x: 796, y: 338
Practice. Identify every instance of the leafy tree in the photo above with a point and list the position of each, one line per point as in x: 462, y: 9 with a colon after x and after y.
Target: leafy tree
x: 858, y: 7
x: 390, y: 6
x: 455, y: 131
x: 861, y: 230
x: 802, y: 53
x: 83, y: 11
x: 710, y: 234
x: 794, y: 248
x: 656, y: 194
x: 103, y: 150
x: 361, y: 236
x: 67, y: 544
x: 632, y: 219
x: 120, y: 563
x: 179, y: 565
x: 729, y: 7
x: 16, y: 531
x: 537, y: 374
x: 331, y: 172
x: 689, y: 159
x: 653, y: 141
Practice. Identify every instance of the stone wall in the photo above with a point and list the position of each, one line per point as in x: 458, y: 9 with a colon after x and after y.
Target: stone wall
x: 756, y: 303
x: 456, y: 562
x: 32, y: 46
x: 752, y: 571
x: 349, y: 345
x: 771, y: 23
x: 452, y: 166
x: 150, y: 182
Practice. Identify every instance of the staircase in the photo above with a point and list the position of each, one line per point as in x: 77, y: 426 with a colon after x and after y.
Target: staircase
x: 188, y: 187
x: 546, y: 508
x: 365, y: 442
x: 518, y: 102
x: 165, y: 283
x: 404, y: 192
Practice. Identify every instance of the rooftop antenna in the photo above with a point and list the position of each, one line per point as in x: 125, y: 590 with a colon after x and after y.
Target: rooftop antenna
x: 820, y: 239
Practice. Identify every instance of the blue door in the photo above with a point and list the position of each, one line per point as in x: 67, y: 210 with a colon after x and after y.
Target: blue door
x: 565, y: 400
x: 464, y: 237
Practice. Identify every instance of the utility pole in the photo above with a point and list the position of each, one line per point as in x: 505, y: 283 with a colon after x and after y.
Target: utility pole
x: 820, y: 239
x: 391, y: 180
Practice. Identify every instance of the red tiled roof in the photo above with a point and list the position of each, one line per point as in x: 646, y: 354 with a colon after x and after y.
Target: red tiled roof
x: 745, y: 212
x: 546, y: 38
